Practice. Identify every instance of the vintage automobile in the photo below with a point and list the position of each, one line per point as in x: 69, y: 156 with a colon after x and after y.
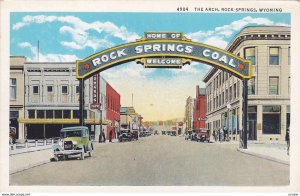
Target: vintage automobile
x: 203, y: 135
x: 125, y: 136
x: 74, y: 140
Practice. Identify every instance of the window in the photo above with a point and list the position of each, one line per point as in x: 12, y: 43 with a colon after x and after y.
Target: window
x: 226, y: 96
x: 40, y: 113
x: 49, y: 89
x: 234, y: 91
x: 31, y: 113
x: 230, y: 93
x: 13, y: 88
x: 223, y: 97
x: 77, y: 89
x: 250, y: 55
x: 58, y: 113
x: 273, y: 85
x: 274, y: 56
x: 35, y: 89
x: 271, y: 119
x: 64, y: 89
x: 49, y: 113
x: 67, y: 113
x: 75, y: 113
x: 251, y: 86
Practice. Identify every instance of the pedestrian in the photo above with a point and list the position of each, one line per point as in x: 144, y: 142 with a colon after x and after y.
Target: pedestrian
x: 221, y: 135
x: 101, y: 136
x: 287, y: 139
x: 225, y: 134
x: 214, y: 135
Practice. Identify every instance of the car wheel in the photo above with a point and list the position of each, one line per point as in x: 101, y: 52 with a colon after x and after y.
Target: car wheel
x: 56, y: 158
x: 82, y: 154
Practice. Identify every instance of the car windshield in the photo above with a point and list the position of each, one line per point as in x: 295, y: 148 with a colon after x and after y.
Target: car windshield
x: 73, y: 133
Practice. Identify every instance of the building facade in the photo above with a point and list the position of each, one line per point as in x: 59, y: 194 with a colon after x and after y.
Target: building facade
x: 268, y: 47
x: 16, y: 94
x: 130, y: 120
x: 51, y: 101
x: 199, y: 111
x: 188, y: 116
x: 113, y: 106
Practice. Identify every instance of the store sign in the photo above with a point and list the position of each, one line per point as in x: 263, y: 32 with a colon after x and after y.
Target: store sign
x: 96, y: 93
x: 162, y: 49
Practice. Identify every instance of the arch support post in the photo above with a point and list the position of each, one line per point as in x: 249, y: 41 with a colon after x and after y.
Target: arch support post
x: 81, y: 102
x: 245, y: 113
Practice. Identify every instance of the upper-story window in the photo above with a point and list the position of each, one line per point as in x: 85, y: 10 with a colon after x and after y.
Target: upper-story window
x: 77, y: 89
x: 274, y: 56
x: 50, y: 89
x: 13, y: 88
x: 251, y: 86
x: 274, y: 85
x: 64, y: 89
x: 35, y: 89
x: 250, y: 55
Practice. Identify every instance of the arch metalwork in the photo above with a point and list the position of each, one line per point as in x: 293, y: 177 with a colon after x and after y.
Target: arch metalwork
x: 165, y: 50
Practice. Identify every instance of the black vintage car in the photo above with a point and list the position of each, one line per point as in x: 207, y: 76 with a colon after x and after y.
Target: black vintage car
x: 125, y: 136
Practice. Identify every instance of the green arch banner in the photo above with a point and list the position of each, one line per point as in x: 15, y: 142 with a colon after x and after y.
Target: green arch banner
x: 167, y: 46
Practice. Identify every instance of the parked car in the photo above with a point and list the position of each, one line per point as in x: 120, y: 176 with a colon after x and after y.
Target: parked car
x: 125, y: 136
x: 203, y: 135
x: 75, y: 140
x: 135, y: 135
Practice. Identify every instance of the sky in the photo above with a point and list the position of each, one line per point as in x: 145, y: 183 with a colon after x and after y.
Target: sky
x: 158, y: 94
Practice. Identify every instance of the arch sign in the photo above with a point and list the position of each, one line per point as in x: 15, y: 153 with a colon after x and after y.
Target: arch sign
x: 163, y: 50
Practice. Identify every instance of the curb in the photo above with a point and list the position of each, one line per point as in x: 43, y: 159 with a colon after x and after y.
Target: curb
x: 264, y: 156
x: 29, y: 167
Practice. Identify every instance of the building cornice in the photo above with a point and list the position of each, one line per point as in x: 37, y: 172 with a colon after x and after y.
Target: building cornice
x: 259, y: 33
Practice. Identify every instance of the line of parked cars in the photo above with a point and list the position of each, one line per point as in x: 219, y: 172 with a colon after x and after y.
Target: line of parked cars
x: 201, y: 135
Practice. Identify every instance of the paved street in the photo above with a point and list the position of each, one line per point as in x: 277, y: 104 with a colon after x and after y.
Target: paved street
x: 159, y: 160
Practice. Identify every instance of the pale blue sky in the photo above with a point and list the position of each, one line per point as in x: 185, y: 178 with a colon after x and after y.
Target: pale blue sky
x: 70, y: 36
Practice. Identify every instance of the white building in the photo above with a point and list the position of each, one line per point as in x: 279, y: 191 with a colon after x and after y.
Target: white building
x: 51, y: 100
x: 268, y: 91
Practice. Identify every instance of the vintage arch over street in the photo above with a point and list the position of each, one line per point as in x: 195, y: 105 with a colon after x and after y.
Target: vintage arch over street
x: 165, y: 50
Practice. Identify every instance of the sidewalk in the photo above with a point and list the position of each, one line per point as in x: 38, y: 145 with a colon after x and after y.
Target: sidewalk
x: 275, y: 151
x: 35, y: 157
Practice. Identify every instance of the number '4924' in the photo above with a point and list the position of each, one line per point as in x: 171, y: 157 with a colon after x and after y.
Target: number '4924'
x: 182, y: 9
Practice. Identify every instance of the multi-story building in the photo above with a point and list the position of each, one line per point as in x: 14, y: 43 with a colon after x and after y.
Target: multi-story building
x: 268, y: 47
x: 51, y: 101
x: 112, y: 112
x: 16, y: 94
x: 199, y: 113
x: 130, y: 120
x: 188, y: 116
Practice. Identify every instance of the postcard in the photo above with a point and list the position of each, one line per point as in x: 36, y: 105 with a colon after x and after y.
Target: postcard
x: 156, y: 96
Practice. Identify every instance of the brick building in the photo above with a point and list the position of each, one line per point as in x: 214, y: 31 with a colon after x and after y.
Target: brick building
x: 199, y: 111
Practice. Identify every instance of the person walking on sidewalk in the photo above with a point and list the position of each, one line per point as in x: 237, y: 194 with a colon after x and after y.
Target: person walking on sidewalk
x: 287, y: 139
x: 221, y: 135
